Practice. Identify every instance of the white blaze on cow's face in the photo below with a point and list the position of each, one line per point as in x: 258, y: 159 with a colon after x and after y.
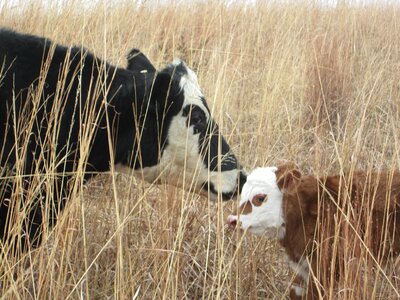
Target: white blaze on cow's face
x: 194, y: 154
x: 261, y: 211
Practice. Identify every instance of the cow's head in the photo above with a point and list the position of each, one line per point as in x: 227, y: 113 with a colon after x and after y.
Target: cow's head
x: 261, y: 210
x: 181, y: 143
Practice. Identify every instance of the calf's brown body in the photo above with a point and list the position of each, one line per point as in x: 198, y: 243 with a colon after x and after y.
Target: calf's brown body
x: 338, y: 231
x: 333, y: 218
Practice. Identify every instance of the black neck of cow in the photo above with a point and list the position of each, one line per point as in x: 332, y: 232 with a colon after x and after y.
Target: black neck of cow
x: 142, y: 114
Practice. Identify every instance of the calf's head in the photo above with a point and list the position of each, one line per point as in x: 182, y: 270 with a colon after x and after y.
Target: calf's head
x: 181, y: 143
x: 264, y: 201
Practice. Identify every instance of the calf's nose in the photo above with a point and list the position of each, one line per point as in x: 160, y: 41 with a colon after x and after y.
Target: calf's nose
x: 232, y: 221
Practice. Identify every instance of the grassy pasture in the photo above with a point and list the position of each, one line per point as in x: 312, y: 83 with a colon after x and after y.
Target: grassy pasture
x: 298, y: 82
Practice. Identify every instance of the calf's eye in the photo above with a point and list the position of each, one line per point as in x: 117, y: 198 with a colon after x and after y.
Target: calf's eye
x: 259, y: 199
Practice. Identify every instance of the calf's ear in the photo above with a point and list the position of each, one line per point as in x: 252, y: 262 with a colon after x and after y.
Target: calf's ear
x: 331, y: 185
x: 138, y: 62
x: 287, y: 177
x: 328, y: 190
x: 337, y: 185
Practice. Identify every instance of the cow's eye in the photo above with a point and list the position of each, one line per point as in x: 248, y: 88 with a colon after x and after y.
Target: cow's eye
x: 197, y: 117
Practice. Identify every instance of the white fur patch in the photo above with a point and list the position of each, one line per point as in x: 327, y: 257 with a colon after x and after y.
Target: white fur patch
x: 180, y: 157
x: 300, y: 268
x: 266, y: 219
x: 299, y: 291
x: 260, y: 180
x: 191, y: 88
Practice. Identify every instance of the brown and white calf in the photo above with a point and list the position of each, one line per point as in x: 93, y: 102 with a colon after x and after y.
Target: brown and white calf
x: 299, y: 211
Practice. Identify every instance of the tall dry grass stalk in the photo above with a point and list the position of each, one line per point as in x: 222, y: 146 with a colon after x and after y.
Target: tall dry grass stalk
x: 315, y: 85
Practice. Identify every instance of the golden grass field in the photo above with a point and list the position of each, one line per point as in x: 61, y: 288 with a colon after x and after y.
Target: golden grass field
x: 296, y: 82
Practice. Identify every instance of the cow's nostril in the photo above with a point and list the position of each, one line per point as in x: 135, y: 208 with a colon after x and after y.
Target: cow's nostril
x: 232, y: 222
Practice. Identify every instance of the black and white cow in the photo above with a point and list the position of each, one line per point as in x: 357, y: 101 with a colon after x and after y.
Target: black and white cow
x: 60, y: 106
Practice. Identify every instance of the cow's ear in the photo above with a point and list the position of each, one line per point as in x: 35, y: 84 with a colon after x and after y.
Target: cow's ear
x: 287, y: 177
x: 138, y: 62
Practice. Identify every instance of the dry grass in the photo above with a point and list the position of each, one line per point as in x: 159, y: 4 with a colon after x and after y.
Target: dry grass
x: 317, y: 86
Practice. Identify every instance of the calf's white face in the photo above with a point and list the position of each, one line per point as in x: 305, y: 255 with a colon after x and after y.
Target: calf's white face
x: 261, y: 211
